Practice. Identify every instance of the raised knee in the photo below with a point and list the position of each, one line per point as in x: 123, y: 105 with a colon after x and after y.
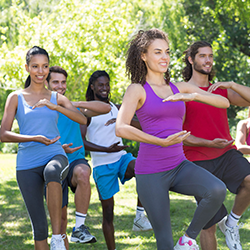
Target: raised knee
x: 82, y: 176
x: 246, y: 182
x: 219, y: 191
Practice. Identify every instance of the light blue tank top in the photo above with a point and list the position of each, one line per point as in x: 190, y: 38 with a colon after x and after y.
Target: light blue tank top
x: 70, y: 133
x: 38, y: 121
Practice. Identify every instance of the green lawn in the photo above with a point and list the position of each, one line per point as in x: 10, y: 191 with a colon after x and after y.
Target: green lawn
x: 16, y: 230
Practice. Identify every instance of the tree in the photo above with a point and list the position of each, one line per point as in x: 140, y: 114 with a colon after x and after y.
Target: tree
x: 226, y: 25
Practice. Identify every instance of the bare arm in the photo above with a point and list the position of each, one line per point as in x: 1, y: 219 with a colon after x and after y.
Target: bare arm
x: 190, y: 92
x: 7, y: 135
x: 238, y: 94
x: 65, y: 107
x: 241, y: 136
x: 133, y: 99
x: 89, y: 146
x: 200, y: 142
x: 92, y: 108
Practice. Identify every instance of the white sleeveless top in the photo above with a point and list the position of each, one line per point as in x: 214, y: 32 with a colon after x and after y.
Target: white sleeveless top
x: 102, y: 135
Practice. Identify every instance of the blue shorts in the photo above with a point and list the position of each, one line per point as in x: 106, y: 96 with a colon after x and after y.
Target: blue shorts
x: 67, y: 181
x: 106, y: 176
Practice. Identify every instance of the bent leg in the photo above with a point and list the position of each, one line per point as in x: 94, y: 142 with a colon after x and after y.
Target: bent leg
x: 31, y: 185
x: 80, y: 180
x: 208, y: 238
x: 242, y: 199
x: 64, y: 223
x: 153, y: 190
x: 107, y: 222
x: 193, y: 180
x: 130, y: 173
x: 54, y: 173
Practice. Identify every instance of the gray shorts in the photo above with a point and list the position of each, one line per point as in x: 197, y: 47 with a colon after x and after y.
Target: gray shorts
x: 31, y: 183
x: 232, y: 168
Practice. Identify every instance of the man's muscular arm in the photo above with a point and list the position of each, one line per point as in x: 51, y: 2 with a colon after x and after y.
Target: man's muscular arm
x: 200, y: 142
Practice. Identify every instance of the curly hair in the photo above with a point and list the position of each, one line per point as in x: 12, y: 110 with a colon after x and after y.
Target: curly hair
x: 90, y: 93
x: 136, y: 69
x: 191, y: 52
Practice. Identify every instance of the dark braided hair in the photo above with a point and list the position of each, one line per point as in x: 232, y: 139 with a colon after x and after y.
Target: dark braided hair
x: 136, y: 68
x: 90, y: 93
x: 191, y: 52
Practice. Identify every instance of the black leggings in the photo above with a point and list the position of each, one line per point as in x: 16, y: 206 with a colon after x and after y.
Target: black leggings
x: 31, y: 184
x: 188, y: 179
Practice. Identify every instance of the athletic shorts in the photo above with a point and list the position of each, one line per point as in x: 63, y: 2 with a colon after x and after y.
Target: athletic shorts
x: 106, y: 176
x: 67, y: 181
x: 232, y: 168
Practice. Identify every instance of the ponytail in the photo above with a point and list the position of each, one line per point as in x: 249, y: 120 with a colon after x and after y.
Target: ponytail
x: 27, y: 82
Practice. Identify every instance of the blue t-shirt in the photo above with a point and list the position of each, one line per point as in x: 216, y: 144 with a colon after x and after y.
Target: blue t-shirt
x: 70, y: 133
x: 38, y: 121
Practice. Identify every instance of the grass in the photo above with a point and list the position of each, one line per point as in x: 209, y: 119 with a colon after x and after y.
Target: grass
x: 16, y: 230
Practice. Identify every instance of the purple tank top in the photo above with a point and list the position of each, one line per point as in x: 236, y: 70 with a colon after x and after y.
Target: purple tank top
x: 248, y: 138
x: 160, y: 119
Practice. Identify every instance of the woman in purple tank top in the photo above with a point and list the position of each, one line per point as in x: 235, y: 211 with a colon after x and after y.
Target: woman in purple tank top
x: 161, y: 165
x: 42, y: 159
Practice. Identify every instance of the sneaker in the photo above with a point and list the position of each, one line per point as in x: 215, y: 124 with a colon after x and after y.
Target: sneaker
x: 82, y: 235
x: 142, y: 224
x: 57, y: 244
x: 190, y: 245
x: 232, y: 235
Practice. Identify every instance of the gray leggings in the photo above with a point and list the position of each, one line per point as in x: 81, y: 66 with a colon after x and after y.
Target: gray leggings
x: 188, y: 179
x: 31, y: 184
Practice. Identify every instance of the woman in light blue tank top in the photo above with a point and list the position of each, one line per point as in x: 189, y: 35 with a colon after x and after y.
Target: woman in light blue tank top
x: 40, y: 158
x: 161, y: 165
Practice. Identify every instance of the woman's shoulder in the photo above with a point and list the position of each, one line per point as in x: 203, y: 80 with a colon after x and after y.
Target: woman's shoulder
x: 15, y: 94
x: 135, y: 89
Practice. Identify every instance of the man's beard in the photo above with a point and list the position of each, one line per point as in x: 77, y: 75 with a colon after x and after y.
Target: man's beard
x: 196, y: 68
x: 103, y: 99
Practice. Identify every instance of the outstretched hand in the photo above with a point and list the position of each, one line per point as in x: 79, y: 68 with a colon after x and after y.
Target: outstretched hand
x: 175, y: 138
x: 221, y: 143
x: 185, y: 97
x: 45, y: 102
x: 45, y: 140
x: 222, y: 85
x: 69, y: 150
x: 116, y: 148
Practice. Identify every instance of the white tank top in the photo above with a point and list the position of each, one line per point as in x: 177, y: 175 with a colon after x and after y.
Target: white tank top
x: 102, y: 135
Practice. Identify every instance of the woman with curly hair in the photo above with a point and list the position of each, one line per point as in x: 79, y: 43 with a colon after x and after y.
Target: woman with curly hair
x: 161, y: 165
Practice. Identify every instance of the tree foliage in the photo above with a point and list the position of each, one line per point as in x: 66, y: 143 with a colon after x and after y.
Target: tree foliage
x: 83, y: 36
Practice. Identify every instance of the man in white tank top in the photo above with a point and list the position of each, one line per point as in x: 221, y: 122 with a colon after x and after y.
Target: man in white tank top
x: 109, y: 159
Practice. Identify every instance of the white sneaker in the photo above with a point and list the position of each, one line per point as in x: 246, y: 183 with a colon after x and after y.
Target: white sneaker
x: 190, y: 245
x: 232, y: 235
x: 142, y: 224
x: 57, y: 244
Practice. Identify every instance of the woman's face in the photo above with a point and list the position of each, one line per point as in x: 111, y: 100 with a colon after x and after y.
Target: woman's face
x: 38, y: 68
x: 157, y: 56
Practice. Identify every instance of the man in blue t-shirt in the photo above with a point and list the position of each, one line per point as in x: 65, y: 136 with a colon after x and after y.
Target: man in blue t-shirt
x: 79, y: 169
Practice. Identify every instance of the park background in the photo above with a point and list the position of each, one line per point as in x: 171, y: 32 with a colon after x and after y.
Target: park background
x: 84, y: 36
